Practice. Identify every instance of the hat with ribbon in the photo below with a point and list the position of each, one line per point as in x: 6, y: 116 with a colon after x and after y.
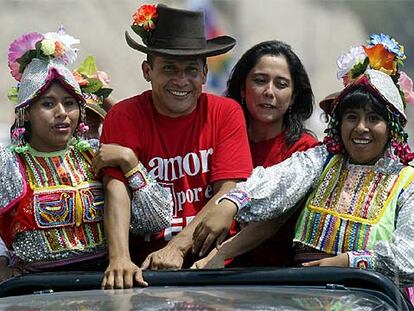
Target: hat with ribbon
x: 174, y: 32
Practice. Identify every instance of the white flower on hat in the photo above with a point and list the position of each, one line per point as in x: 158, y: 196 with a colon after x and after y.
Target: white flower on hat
x: 347, y: 61
x: 67, y: 42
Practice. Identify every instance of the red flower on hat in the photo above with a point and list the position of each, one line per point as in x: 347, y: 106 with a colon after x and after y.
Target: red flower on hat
x: 381, y: 59
x: 145, y: 16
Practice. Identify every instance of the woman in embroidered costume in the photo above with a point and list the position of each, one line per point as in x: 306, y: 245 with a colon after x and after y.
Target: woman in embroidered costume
x: 51, y: 202
x: 274, y: 90
x: 359, y: 212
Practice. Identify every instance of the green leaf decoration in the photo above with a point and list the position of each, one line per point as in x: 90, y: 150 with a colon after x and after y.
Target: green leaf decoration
x: 12, y: 94
x: 38, y: 47
x: 140, y: 31
x: 26, y: 59
x: 93, y: 86
x: 88, y: 67
x: 359, y: 68
x: 103, y: 92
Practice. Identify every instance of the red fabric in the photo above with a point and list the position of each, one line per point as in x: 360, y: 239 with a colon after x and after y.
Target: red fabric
x: 270, y: 152
x: 277, y: 251
x: 211, y: 143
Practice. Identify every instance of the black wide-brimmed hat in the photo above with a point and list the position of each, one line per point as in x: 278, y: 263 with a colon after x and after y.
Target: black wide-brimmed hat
x: 177, y: 32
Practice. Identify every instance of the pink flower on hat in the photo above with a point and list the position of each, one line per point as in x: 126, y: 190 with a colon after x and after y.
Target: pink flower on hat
x: 406, y: 86
x: 20, y: 47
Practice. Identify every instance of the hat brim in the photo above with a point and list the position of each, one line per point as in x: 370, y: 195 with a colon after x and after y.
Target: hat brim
x: 96, y: 109
x: 327, y: 104
x: 215, y: 46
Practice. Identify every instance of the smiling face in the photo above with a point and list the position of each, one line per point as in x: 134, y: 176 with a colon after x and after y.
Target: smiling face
x: 176, y: 84
x: 53, y: 119
x: 364, y: 134
x: 268, y: 90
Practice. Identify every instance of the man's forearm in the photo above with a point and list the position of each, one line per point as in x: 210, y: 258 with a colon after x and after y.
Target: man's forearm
x: 184, y: 239
x: 117, y: 217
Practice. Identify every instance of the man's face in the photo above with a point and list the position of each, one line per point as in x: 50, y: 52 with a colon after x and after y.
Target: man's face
x: 176, y: 83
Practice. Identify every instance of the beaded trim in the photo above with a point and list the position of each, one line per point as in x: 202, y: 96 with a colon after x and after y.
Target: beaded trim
x: 239, y: 197
x: 362, y: 260
x: 59, y: 243
x: 137, y: 177
x: 66, y: 168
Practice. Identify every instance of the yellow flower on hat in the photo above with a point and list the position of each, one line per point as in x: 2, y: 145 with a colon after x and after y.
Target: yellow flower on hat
x: 48, y: 47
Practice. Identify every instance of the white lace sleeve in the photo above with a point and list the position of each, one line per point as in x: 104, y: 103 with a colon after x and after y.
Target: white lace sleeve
x: 152, y: 204
x: 274, y: 190
x: 395, y: 258
x: 12, y: 185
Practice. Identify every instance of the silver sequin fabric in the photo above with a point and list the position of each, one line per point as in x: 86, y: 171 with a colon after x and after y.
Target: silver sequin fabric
x: 11, y: 180
x: 275, y: 190
x: 151, y: 208
x: 31, y: 248
x: 37, y: 73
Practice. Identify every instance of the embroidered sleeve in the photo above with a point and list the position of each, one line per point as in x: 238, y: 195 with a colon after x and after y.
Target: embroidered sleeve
x: 395, y: 258
x: 12, y: 184
x: 270, y: 192
x: 362, y: 260
x: 94, y: 144
x: 152, y: 204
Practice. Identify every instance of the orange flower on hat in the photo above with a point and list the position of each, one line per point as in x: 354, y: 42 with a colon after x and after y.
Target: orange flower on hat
x: 59, y: 49
x: 145, y: 16
x: 381, y: 59
x: 80, y: 79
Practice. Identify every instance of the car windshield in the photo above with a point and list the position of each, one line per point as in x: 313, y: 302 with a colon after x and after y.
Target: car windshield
x: 201, y: 298
x: 314, y: 288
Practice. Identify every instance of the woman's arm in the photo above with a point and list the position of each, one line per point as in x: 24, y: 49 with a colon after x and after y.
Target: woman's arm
x: 12, y: 183
x: 152, y: 204
x: 250, y: 237
x: 266, y: 194
x: 272, y: 191
x: 395, y: 258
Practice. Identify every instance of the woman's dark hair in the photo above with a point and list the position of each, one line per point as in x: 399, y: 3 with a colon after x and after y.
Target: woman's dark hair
x: 359, y: 97
x: 302, y: 107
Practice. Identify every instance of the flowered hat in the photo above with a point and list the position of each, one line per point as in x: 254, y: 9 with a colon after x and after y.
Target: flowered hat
x: 376, y: 67
x: 174, y: 32
x: 94, y: 85
x: 35, y: 61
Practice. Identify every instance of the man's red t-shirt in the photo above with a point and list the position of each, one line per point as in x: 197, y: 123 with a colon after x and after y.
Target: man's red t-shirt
x: 185, y: 154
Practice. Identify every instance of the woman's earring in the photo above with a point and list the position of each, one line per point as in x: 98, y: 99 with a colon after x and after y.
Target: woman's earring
x: 17, y: 134
x: 82, y: 128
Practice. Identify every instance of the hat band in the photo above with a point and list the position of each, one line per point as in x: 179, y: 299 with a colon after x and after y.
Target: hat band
x: 178, y: 43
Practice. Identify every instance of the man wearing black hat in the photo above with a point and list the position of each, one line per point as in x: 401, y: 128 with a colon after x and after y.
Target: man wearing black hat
x: 192, y: 143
